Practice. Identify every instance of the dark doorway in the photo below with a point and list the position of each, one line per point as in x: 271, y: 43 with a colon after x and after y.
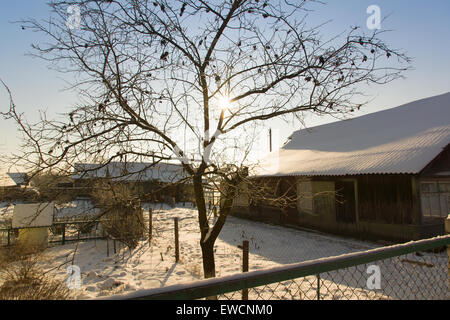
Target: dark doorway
x: 345, y: 202
x: 289, y: 214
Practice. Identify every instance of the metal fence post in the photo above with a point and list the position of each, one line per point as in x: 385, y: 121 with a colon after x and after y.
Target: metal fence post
x: 245, y: 266
x: 318, y: 286
x: 447, y: 230
x: 9, y: 237
x: 177, y: 243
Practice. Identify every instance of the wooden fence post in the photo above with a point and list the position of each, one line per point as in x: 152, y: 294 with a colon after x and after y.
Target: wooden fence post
x: 245, y: 266
x: 150, y: 225
x: 177, y: 243
x: 107, y: 247
x: 63, y: 234
x: 9, y: 236
x: 115, y: 251
x: 447, y: 230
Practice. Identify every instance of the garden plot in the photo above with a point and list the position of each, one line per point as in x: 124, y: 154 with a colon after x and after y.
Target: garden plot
x: 153, y: 265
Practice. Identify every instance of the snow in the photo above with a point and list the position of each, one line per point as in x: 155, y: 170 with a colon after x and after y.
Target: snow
x: 398, y: 140
x: 76, y: 210
x: 153, y: 266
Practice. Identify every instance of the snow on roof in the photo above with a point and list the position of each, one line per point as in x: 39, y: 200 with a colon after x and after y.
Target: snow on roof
x: 399, y: 140
x: 76, y: 210
x: 6, y: 181
x: 131, y: 171
x: 33, y: 215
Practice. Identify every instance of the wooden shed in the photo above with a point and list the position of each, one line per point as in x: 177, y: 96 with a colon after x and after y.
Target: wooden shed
x: 382, y: 176
x: 33, y: 222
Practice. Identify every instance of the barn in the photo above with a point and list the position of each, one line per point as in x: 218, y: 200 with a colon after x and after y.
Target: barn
x: 145, y: 179
x: 381, y: 176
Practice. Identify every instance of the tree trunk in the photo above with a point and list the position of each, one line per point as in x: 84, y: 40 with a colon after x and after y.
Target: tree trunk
x: 208, y: 245
x: 209, y: 266
x: 208, y: 236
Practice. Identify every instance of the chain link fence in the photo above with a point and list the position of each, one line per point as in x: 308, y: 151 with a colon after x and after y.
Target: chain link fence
x: 413, y: 271
x: 413, y: 276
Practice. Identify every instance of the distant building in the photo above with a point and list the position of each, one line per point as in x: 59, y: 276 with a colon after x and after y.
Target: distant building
x: 6, y: 181
x: 385, y: 175
x: 144, y: 177
x: 20, y: 178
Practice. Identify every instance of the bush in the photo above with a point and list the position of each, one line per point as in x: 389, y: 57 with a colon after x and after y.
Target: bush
x: 22, y: 279
x: 122, y: 215
x: 18, y: 194
x: 85, y: 228
x: 57, y: 229
x: 126, y: 225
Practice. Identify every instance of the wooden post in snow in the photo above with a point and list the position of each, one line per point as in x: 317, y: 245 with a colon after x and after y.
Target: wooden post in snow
x: 150, y: 225
x: 245, y: 266
x: 447, y: 230
x: 64, y: 234
x: 177, y: 243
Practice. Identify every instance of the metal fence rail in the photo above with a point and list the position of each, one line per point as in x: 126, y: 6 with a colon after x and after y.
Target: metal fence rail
x: 63, y: 232
x: 407, y: 271
x: 7, y: 236
x: 60, y: 232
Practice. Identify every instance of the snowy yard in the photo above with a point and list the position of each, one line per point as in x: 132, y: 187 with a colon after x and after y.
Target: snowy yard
x: 152, y: 266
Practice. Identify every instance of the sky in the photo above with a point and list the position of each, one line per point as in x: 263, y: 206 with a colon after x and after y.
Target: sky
x: 421, y: 28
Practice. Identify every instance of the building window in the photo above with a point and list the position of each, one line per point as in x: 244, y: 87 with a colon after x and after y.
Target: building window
x: 435, y: 198
x: 315, y: 197
x: 305, y: 198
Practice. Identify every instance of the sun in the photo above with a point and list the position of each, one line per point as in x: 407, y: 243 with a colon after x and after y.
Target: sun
x: 224, y: 103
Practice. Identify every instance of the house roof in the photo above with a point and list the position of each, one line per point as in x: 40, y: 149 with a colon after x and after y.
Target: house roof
x: 399, y: 140
x: 20, y: 178
x: 33, y: 215
x: 6, y: 181
x: 130, y: 171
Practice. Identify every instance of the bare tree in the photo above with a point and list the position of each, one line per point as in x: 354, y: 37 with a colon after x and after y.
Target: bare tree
x: 188, y: 80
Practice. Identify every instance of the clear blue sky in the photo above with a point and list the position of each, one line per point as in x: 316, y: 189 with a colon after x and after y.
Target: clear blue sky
x: 421, y: 28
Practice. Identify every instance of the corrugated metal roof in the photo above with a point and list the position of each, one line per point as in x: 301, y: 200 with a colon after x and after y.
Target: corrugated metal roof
x: 130, y: 171
x: 20, y: 178
x: 398, y: 140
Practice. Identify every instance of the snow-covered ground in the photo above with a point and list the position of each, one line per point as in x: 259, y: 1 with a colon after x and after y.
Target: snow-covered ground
x: 153, y: 266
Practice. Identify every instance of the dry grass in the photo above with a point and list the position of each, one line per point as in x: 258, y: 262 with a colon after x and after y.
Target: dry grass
x: 21, y: 278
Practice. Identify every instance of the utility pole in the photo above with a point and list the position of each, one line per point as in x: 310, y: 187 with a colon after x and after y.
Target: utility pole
x: 270, y: 140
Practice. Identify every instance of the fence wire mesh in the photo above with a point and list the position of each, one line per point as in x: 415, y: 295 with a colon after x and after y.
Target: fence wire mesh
x: 413, y: 276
